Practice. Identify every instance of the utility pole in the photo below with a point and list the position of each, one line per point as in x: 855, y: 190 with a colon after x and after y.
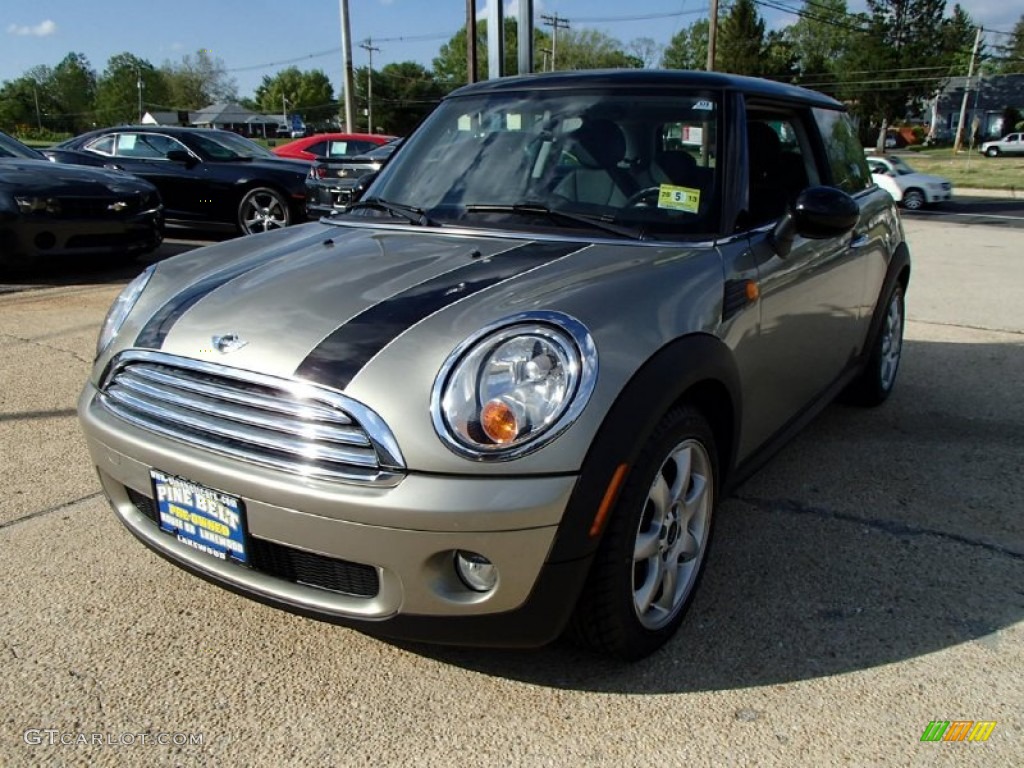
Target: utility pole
x: 39, y: 119
x: 284, y: 114
x: 959, y: 142
x: 556, y: 22
x: 138, y: 84
x: 347, y: 80
x: 472, y: 73
x: 712, y: 35
x: 367, y: 45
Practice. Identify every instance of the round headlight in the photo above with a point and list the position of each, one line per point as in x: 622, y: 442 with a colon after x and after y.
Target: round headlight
x: 514, y: 386
x: 119, y: 310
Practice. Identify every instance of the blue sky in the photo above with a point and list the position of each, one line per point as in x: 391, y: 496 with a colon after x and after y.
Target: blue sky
x: 253, y: 37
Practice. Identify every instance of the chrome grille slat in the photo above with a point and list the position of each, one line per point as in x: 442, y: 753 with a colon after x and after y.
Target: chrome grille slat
x: 247, y: 416
x: 184, y: 380
x: 287, y: 424
x: 238, y: 432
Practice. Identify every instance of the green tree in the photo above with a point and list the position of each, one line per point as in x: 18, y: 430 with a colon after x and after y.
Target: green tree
x: 117, y: 90
x: 688, y: 48
x: 72, y: 87
x: 891, y: 69
x: 741, y: 40
x: 403, y: 93
x: 588, y: 48
x: 198, y: 81
x: 308, y: 93
x: 1010, y: 59
x: 820, y: 38
x: 450, y: 67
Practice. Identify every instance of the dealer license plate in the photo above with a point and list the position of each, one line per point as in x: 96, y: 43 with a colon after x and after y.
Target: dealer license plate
x: 204, y: 519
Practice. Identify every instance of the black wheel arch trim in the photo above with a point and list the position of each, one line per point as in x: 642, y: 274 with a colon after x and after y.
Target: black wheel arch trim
x: 899, y: 269
x: 692, y: 364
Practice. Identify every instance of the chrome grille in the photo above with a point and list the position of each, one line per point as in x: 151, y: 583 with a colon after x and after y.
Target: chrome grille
x: 286, y: 424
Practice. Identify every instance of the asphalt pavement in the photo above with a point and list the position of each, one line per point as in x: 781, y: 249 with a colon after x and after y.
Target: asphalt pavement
x: 867, y: 582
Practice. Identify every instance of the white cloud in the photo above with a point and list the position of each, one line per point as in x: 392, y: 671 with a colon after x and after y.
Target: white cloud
x: 43, y: 29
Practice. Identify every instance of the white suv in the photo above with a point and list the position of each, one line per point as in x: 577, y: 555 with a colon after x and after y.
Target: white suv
x: 909, y: 188
x: 1011, y: 144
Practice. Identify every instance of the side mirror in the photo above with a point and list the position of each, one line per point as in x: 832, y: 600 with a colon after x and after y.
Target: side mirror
x: 819, y: 213
x: 181, y: 156
x: 362, y: 185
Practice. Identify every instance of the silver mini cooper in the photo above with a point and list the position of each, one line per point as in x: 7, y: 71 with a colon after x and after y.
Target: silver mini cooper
x: 499, y: 396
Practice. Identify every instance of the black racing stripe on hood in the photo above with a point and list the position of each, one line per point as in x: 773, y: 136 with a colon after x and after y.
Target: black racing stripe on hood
x: 159, y: 325
x: 340, y: 356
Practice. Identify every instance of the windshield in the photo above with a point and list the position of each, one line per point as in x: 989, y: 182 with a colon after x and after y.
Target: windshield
x: 228, y: 146
x: 10, y: 147
x: 901, y: 167
x: 509, y: 159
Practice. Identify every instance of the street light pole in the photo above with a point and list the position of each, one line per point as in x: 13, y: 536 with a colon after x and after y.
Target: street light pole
x: 138, y: 84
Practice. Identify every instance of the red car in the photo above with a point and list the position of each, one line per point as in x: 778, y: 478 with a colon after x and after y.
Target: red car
x: 332, y: 145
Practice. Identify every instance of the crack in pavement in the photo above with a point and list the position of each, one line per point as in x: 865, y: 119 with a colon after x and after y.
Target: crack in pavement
x: 48, y: 510
x: 35, y: 343
x: 891, y: 527
x: 1013, y: 331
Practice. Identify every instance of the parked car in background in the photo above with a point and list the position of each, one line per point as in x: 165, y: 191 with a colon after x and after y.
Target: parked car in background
x: 49, y: 210
x: 332, y: 180
x: 503, y: 393
x: 207, y: 178
x: 909, y: 188
x: 332, y: 145
x: 1010, y: 144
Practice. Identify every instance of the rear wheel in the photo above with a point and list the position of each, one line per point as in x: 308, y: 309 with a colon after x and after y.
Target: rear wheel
x: 261, y: 210
x: 652, y: 555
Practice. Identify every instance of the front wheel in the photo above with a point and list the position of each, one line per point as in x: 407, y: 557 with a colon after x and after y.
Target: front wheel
x: 992, y: 152
x: 875, y: 383
x: 652, y: 555
x: 913, y: 200
x: 261, y: 210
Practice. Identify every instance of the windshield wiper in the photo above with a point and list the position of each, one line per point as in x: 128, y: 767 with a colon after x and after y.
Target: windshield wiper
x: 603, y: 223
x: 410, y: 213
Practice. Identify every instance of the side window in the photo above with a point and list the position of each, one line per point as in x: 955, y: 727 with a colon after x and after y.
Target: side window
x: 145, y: 145
x: 845, y: 154
x: 103, y: 145
x: 317, y: 148
x: 780, y: 163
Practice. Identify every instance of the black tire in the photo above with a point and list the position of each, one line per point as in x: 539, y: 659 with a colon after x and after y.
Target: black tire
x: 875, y: 383
x: 262, y: 209
x: 914, y: 200
x: 992, y: 152
x: 609, y: 617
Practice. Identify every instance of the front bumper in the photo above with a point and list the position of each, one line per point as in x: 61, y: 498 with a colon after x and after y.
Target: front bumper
x: 406, y: 534
x: 31, y: 238
x: 939, y: 195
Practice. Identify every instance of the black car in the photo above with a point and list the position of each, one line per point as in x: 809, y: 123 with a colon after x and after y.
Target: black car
x: 50, y: 210
x: 207, y: 177
x: 331, y: 180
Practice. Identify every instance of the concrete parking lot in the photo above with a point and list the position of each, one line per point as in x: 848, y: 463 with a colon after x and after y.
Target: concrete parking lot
x: 868, y: 581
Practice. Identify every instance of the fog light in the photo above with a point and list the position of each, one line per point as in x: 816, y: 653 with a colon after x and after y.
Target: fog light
x: 476, y: 571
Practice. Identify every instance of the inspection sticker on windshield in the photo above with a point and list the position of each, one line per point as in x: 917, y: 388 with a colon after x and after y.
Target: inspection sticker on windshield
x: 679, y: 198
x: 200, y: 517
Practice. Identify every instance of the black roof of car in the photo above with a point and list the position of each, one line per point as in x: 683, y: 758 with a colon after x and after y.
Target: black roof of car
x: 648, y: 78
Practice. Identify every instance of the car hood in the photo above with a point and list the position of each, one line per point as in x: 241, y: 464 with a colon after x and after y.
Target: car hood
x: 375, y: 311
x: 279, y: 164
x: 44, y: 177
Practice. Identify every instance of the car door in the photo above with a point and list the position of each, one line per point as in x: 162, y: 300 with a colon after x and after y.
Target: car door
x: 1014, y: 144
x: 812, y: 298
x: 145, y: 154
